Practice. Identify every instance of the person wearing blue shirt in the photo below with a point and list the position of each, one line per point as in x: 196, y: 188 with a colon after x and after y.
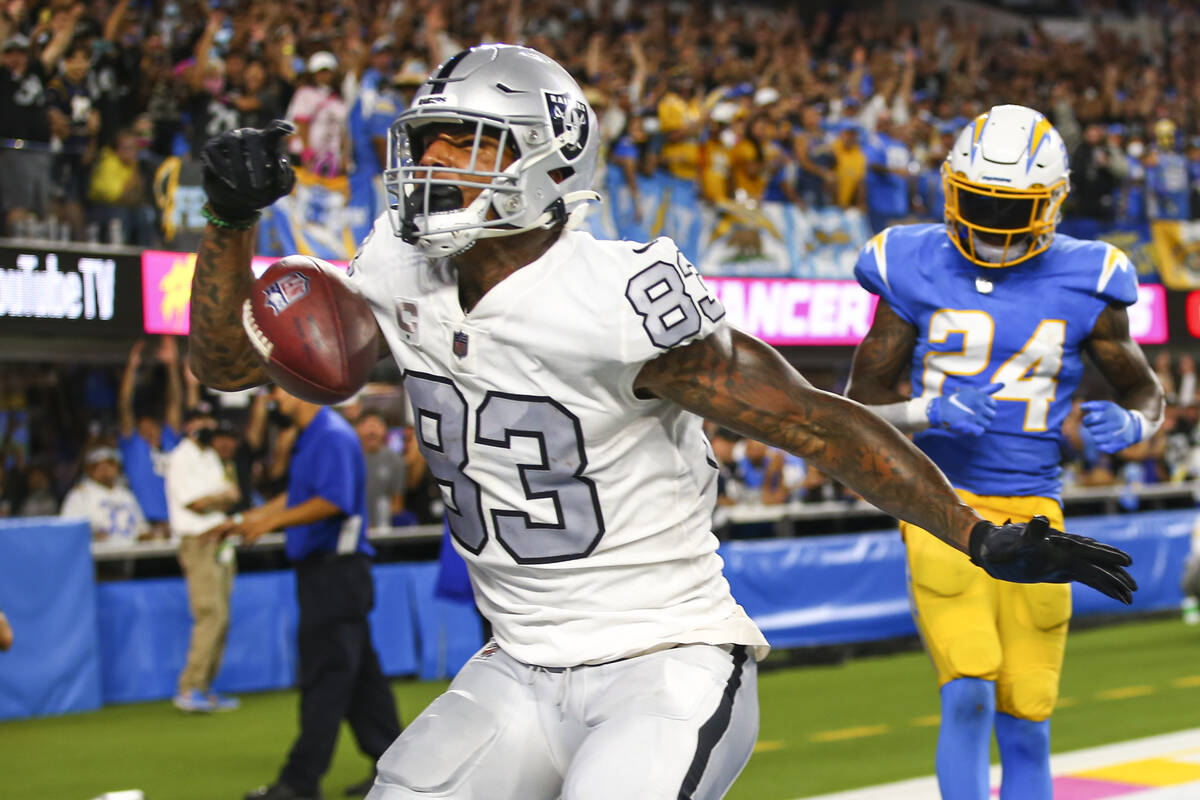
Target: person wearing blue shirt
x: 888, y: 176
x: 324, y: 514
x: 1167, y: 193
x: 145, y: 440
x: 375, y: 107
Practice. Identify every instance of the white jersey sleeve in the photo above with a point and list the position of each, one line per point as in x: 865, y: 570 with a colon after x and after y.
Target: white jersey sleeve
x: 668, y: 304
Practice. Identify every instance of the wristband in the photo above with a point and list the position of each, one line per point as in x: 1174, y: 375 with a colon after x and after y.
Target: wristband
x: 908, y: 415
x: 1148, y: 428
x: 207, y: 212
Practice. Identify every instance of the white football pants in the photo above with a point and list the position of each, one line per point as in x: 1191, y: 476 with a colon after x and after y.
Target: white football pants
x: 675, y: 724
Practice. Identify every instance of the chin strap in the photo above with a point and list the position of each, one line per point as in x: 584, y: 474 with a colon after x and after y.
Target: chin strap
x: 555, y: 214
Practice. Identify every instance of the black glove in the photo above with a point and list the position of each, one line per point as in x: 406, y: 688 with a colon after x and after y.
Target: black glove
x: 1033, y: 552
x: 245, y: 170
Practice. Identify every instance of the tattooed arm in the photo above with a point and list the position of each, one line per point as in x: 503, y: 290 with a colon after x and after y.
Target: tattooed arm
x: 1124, y: 365
x: 741, y: 383
x: 881, y: 358
x: 880, y: 362
x: 219, y: 353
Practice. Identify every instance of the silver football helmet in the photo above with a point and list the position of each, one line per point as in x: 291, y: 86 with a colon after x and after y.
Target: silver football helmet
x: 536, y: 111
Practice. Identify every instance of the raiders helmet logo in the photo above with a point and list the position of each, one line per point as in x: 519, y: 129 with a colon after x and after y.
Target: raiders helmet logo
x: 568, y: 117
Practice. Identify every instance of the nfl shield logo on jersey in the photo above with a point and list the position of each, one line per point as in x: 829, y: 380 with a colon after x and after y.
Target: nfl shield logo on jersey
x: 285, y: 291
x: 460, y: 344
x: 571, y: 118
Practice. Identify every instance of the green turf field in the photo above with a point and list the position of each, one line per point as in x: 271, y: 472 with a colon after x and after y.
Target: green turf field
x: 823, y: 728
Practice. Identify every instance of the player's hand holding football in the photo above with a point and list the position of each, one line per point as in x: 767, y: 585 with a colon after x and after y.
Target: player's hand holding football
x: 1114, y: 428
x: 246, y: 170
x: 1033, y: 552
x: 968, y: 410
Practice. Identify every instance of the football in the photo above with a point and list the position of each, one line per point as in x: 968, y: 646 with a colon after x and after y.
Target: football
x: 313, y: 329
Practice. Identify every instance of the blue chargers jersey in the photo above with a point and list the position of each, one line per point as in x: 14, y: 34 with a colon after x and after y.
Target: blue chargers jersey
x: 1022, y: 326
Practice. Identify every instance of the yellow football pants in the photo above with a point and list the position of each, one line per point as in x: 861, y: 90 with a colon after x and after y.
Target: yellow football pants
x: 975, y: 626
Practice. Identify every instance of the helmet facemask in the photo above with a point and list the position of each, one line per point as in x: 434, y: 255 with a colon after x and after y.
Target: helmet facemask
x: 428, y: 211
x: 995, y: 226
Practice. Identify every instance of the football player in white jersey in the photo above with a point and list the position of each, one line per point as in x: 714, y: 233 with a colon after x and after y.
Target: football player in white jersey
x: 557, y: 384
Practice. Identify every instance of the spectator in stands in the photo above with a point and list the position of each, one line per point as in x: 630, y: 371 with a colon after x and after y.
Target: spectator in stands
x: 1167, y: 192
x: 146, y: 438
x: 262, y: 96
x: 813, y: 151
x: 324, y: 514
x: 100, y: 498
x: 1094, y: 183
x: 199, y: 494
x: 1162, y: 368
x: 754, y: 159
x: 73, y: 99
x: 850, y: 169
x: 209, y: 103
x: 25, y: 158
x: 1186, y: 394
x: 386, y: 479
x: 890, y: 169
x: 39, y: 498
x: 117, y: 191
x: 758, y: 473
x: 320, y: 114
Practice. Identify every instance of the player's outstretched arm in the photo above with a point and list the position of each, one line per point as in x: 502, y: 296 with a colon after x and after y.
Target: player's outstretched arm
x: 1138, y: 410
x: 741, y: 383
x: 244, y: 171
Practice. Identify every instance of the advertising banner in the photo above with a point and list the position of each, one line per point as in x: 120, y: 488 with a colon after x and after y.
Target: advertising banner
x: 797, y: 312
x: 785, y: 311
x: 167, y: 288
x: 1175, y: 249
x: 68, y: 291
x: 1148, y: 316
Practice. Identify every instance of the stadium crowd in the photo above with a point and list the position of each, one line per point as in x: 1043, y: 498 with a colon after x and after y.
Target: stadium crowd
x: 63, y: 430
x: 103, y: 104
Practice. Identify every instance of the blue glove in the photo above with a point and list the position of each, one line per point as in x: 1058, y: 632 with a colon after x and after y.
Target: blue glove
x: 1112, y: 427
x: 968, y: 410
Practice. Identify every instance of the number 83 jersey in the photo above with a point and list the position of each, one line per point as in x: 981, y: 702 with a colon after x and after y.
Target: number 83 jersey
x: 582, y: 511
x: 1022, y: 326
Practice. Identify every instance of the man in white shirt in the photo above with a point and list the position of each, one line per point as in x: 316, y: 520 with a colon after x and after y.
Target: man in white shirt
x: 106, y: 503
x: 200, y: 492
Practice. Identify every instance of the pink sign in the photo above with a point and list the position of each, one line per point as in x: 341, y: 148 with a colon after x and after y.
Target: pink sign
x: 167, y: 288
x: 1148, y: 316
x: 785, y: 311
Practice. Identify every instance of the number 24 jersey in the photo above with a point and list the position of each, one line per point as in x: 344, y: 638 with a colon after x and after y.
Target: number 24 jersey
x: 582, y: 511
x: 1022, y: 326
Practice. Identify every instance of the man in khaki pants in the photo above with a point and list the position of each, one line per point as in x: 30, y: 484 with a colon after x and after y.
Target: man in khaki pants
x: 199, y: 495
